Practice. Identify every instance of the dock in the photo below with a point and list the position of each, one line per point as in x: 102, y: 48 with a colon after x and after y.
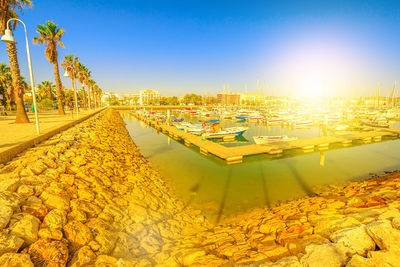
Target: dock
x: 235, y: 154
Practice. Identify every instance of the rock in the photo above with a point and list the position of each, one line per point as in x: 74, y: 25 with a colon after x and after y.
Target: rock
x: 49, y: 253
x: 390, y: 214
x: 9, y: 242
x: 78, y: 234
x: 299, y: 245
x: 291, y: 261
x: 396, y: 223
x: 84, y: 256
x: 26, y: 228
x: 190, y: 258
x: 50, y: 233
x: 25, y: 191
x: 54, y: 201
x: 323, y: 255
x: 355, y: 238
x: 384, y: 235
x: 385, y: 258
x: 326, y: 227
x: 16, y: 260
x: 106, y: 240
x: 358, y: 261
x: 5, y: 215
x: 77, y: 215
x: 55, y: 219
x: 37, y: 167
x: 9, y: 184
x: 10, y: 199
x: 34, y: 207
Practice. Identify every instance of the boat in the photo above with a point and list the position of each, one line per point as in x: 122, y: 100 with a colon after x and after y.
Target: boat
x: 259, y: 140
x: 376, y: 123
x: 226, y: 132
x: 177, y: 120
x: 302, y: 123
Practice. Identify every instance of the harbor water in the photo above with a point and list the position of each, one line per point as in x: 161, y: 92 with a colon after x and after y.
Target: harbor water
x: 221, y: 191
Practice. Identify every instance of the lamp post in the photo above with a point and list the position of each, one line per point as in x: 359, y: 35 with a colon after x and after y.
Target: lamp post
x: 8, y: 37
x: 72, y: 77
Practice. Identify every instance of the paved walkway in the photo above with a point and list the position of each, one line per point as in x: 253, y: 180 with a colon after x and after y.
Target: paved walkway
x: 12, y: 134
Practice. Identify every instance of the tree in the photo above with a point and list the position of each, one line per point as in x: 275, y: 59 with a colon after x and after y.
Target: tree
x: 71, y: 66
x: 83, y: 77
x: 6, y: 88
x: 50, y: 36
x: 9, y: 9
x: 46, y: 90
x: 192, y: 99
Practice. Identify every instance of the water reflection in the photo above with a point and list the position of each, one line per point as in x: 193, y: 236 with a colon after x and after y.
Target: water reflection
x: 221, y: 190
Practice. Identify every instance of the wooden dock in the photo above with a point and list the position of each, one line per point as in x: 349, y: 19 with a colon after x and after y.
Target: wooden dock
x: 236, y: 154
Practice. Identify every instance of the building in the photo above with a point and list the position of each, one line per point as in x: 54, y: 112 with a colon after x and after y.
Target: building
x: 228, y: 99
x: 149, y: 97
x: 252, y: 99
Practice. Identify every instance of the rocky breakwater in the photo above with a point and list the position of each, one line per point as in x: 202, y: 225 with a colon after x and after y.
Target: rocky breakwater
x: 87, y: 197
x: 358, y: 225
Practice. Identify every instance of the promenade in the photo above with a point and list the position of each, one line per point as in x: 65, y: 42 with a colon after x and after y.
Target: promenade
x: 16, y: 134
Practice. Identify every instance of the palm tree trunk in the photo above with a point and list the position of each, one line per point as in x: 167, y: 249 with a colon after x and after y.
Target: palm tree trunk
x: 90, y: 100
x: 17, y: 84
x: 75, y: 95
x: 84, y: 96
x: 58, y: 88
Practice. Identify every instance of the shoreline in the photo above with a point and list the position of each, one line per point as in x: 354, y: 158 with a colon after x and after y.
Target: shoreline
x: 88, y: 196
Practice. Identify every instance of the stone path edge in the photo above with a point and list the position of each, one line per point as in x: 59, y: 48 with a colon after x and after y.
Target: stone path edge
x: 31, y: 141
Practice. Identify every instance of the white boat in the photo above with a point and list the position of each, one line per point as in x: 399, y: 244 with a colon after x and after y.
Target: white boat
x: 227, y: 131
x: 302, y: 123
x: 270, y: 139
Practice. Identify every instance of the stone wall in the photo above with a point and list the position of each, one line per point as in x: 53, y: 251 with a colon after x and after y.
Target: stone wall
x: 87, y: 197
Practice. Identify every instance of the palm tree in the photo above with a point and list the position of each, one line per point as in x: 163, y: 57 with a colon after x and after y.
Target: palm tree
x: 91, y: 84
x: 82, y: 78
x: 71, y: 66
x: 46, y: 89
x: 50, y: 36
x: 8, y: 9
x: 6, y: 88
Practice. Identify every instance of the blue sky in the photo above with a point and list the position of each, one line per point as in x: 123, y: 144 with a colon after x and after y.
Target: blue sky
x: 340, y: 47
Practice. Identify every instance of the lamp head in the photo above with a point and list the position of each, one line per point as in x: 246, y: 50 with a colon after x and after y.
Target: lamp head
x: 8, y: 37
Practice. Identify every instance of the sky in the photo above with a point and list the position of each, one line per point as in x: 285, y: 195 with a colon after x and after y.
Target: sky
x: 310, y: 48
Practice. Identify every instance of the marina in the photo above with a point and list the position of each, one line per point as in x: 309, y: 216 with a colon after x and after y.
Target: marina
x: 235, y: 154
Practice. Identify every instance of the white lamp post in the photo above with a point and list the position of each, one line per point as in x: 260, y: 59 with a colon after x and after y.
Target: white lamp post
x: 8, y: 37
x: 72, y: 77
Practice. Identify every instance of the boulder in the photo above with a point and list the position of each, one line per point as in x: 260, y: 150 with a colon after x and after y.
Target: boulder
x: 50, y: 233
x: 323, y: 255
x: 5, y: 215
x: 78, y: 234
x: 291, y: 261
x: 26, y: 228
x: 84, y: 256
x: 9, y: 184
x: 326, y: 227
x: 355, y: 238
x: 49, y: 253
x: 55, y: 201
x: 9, y: 242
x: 16, y: 260
x: 25, y: 191
x: 384, y: 235
x: 10, y: 199
x: 55, y: 219
x: 34, y: 207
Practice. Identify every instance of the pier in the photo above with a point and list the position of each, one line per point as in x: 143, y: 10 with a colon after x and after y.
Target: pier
x: 235, y: 154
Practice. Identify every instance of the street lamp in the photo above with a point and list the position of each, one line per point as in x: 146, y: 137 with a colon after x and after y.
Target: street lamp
x: 8, y: 37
